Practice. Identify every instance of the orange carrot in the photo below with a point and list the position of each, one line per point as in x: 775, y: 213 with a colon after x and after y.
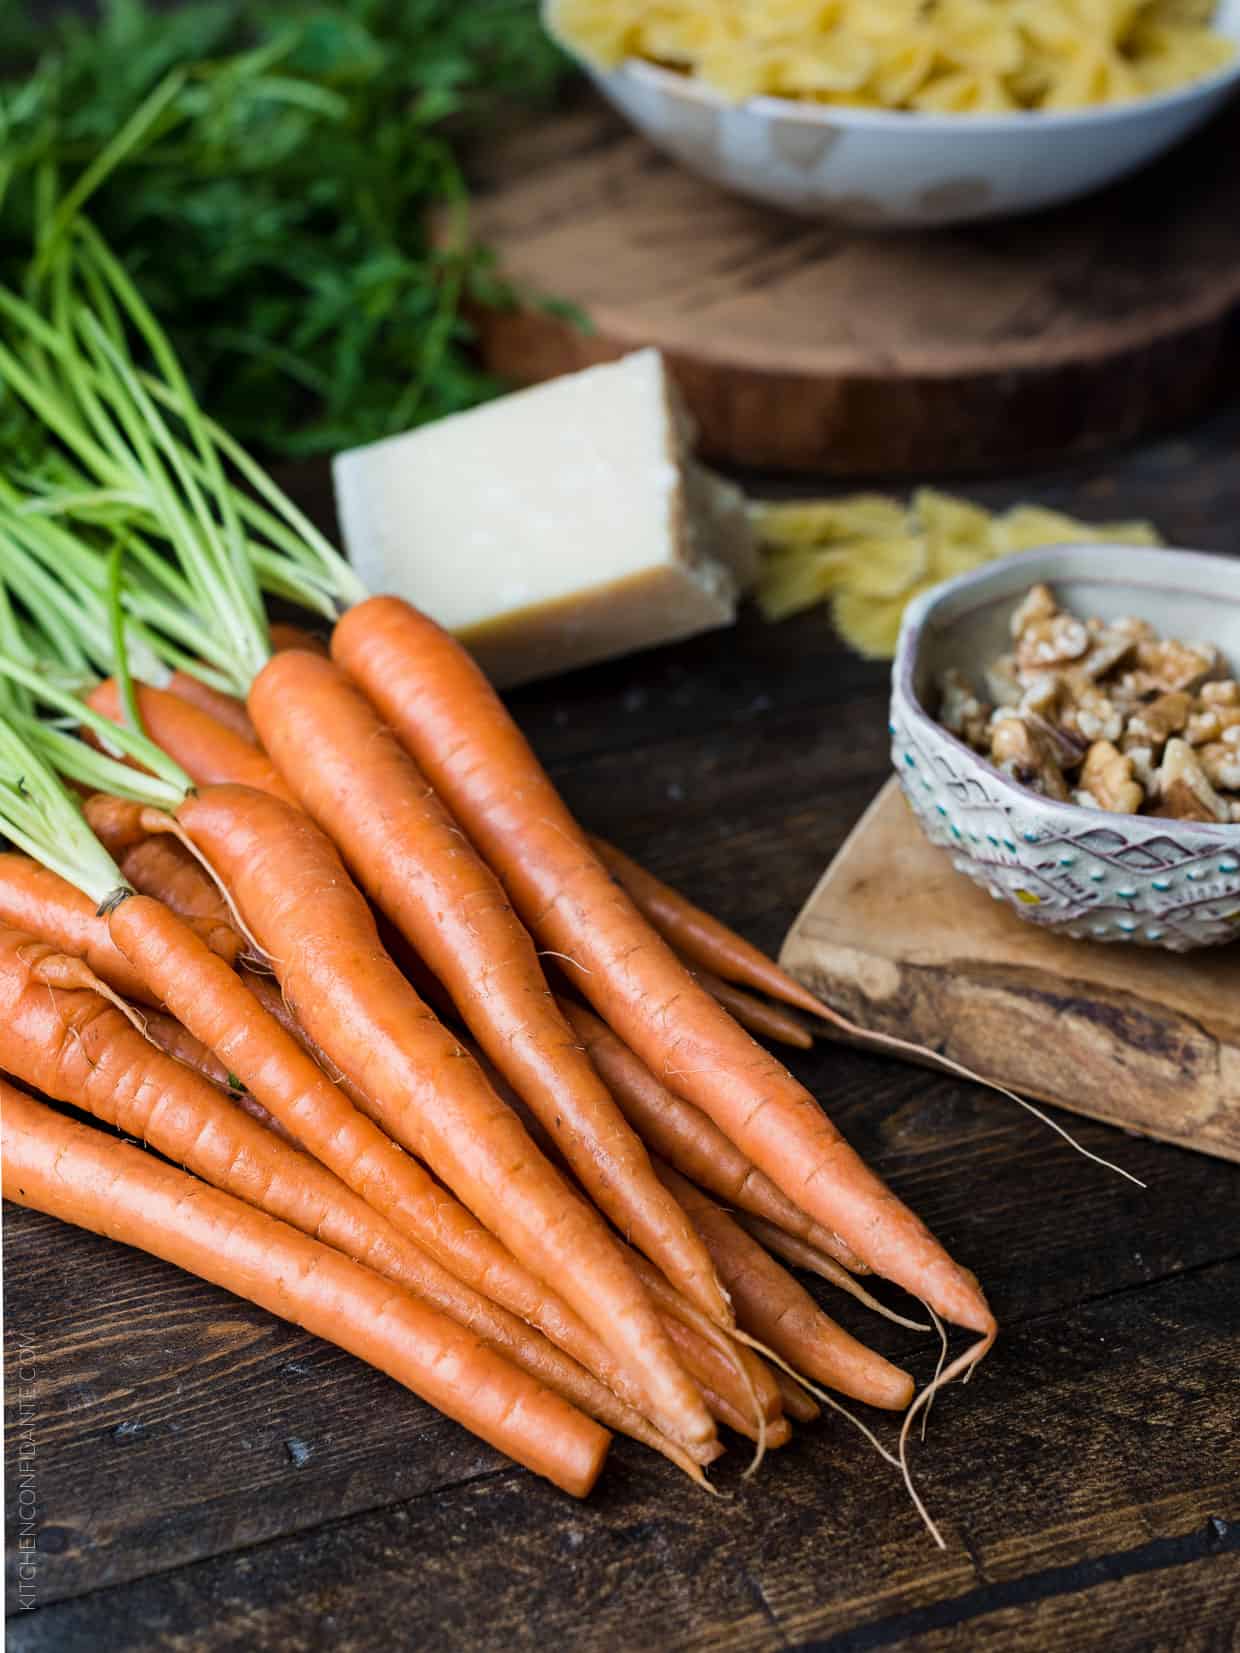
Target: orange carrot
x: 701, y: 939
x: 454, y: 725
x: 224, y: 708
x: 39, y: 901
x: 763, y: 1019
x: 168, y: 1035
x: 798, y: 1403
x: 220, y: 755
x: 710, y: 1353
x: 690, y: 1142
x: 176, y: 1040
x: 775, y: 1434
x: 81, y: 1176
x: 116, y: 822
x: 297, y: 900
x: 795, y: 1251
x: 716, y: 1375
x: 772, y: 1307
x: 286, y: 636
x: 164, y: 869
x: 357, y: 782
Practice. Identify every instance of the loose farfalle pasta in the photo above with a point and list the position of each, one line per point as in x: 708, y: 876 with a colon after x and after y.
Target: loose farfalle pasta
x: 869, y: 556
x: 931, y: 56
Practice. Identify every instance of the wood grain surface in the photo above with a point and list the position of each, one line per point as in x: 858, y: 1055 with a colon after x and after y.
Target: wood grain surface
x: 903, y: 944
x: 809, y: 347
x: 210, y: 1480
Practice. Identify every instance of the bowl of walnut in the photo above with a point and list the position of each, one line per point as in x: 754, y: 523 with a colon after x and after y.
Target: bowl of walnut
x: 1067, y: 724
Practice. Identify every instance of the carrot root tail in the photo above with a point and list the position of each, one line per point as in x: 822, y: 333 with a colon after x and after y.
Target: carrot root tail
x: 962, y: 1366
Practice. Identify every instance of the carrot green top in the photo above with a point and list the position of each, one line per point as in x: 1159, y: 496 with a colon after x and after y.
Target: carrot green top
x: 133, y: 469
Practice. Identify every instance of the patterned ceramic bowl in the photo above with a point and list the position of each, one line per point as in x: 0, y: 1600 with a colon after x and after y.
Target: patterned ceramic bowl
x: 1086, y: 872
x: 894, y: 170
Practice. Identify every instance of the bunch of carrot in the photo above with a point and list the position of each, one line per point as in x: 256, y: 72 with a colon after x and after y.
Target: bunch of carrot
x: 294, y: 940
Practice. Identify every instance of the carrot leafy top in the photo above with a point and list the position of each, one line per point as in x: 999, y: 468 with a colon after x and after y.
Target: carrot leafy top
x: 38, y: 815
x: 133, y: 497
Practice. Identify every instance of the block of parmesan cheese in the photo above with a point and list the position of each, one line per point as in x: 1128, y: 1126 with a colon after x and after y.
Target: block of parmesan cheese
x: 554, y: 527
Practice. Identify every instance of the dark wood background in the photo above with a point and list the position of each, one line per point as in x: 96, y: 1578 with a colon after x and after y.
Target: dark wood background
x: 210, y: 1479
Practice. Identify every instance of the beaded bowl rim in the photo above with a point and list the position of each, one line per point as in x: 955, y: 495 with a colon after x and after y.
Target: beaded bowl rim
x: 918, y: 618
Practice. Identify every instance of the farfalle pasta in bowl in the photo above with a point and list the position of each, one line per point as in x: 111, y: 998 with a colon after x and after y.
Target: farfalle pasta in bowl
x: 897, y: 113
x: 1067, y: 724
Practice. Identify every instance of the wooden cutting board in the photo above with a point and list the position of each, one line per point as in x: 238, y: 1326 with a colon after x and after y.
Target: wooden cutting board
x: 902, y: 943
x: 807, y: 347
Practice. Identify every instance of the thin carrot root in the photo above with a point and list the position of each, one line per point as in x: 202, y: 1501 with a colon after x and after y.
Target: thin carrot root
x: 942, y: 1361
x: 947, y: 1064
x: 800, y: 1255
x: 963, y: 1364
x: 819, y: 1394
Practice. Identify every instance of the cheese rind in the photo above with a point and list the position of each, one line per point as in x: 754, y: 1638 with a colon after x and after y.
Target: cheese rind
x: 555, y: 527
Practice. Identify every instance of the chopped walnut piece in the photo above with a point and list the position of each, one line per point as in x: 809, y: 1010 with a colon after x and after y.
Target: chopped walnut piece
x: 1154, y: 724
x: 1024, y: 753
x: 1108, y: 782
x: 1038, y: 603
x: 1002, y: 683
x: 1184, y: 790
x: 1203, y: 726
x: 1134, y: 687
x: 1175, y: 665
x: 961, y: 711
x: 1051, y: 642
x: 1042, y: 695
x: 1090, y: 713
x: 1042, y: 708
x: 1221, y: 762
x: 1142, y: 760
x: 1130, y: 626
x: 1224, y: 692
x: 1109, y: 647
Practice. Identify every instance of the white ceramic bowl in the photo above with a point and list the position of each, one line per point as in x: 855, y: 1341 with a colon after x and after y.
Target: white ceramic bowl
x: 1086, y: 872
x: 893, y: 170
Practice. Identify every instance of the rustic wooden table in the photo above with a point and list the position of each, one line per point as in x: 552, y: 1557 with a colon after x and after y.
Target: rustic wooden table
x: 207, y: 1478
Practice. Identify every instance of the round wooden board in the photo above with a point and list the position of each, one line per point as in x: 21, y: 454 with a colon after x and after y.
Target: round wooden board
x: 803, y: 346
